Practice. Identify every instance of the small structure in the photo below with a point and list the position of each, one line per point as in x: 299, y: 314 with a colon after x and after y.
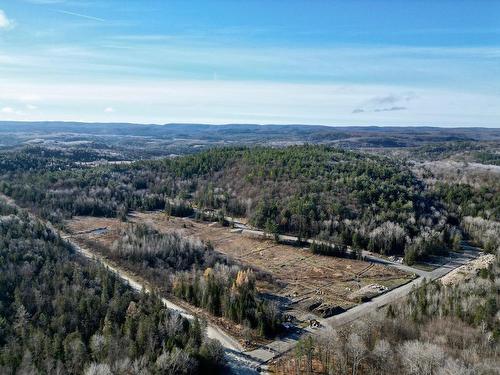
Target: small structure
x: 313, y: 323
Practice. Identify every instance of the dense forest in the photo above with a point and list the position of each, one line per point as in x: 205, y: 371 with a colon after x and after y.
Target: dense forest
x: 59, y: 314
x: 194, y: 272
x: 448, y: 330
x: 471, y: 196
x: 346, y: 197
x: 469, y: 151
x: 354, y: 199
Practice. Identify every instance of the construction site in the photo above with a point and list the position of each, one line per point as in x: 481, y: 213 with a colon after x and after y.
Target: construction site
x: 305, y: 285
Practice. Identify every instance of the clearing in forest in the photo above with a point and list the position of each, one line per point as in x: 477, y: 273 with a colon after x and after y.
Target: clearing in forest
x: 304, y: 282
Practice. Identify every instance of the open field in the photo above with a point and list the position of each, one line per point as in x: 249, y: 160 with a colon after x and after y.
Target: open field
x: 304, y: 282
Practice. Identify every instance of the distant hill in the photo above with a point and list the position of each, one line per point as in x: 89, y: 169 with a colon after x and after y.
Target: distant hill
x: 358, y: 136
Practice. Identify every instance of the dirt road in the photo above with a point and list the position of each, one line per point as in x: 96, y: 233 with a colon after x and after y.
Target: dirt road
x: 237, y: 360
x: 254, y: 361
x: 278, y: 347
x: 248, y: 362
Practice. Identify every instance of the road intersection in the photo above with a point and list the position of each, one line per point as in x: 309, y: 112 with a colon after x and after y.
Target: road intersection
x: 243, y: 361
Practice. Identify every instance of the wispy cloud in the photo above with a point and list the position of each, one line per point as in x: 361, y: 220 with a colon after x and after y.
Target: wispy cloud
x: 391, y: 109
x: 145, y: 38
x: 242, y: 101
x: 386, y: 103
x: 80, y: 15
x: 187, y: 60
x: 5, y: 22
x: 109, y: 109
x: 392, y: 98
x: 43, y: 2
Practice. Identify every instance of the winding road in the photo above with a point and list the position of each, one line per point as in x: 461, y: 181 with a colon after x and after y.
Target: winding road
x: 280, y: 346
x: 255, y: 361
x: 238, y: 361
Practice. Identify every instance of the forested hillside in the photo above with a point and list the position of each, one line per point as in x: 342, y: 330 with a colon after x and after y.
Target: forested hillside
x: 59, y: 314
x: 347, y: 197
x: 471, y: 195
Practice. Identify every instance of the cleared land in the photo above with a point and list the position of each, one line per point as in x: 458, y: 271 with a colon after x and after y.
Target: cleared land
x: 469, y: 270
x: 303, y: 282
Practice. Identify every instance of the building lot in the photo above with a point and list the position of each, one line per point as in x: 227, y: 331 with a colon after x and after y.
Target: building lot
x: 302, y: 282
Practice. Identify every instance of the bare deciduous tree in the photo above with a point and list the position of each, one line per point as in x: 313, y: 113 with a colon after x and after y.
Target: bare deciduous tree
x: 98, y: 369
x: 357, y: 350
x: 420, y: 358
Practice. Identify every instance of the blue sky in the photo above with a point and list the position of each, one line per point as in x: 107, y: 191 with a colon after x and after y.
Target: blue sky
x: 312, y: 62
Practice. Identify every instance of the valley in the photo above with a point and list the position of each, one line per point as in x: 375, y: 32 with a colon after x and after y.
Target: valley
x: 267, y: 247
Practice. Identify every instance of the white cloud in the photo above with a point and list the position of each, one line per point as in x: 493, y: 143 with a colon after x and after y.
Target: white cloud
x: 81, y: 15
x: 11, y: 112
x: 31, y: 107
x: 5, y: 23
x: 109, y: 110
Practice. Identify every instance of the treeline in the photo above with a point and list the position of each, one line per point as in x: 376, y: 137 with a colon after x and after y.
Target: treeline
x: 484, y: 152
x: 59, y: 314
x: 169, y: 252
x: 229, y: 292
x: 330, y: 249
x: 436, y: 330
x: 194, y: 272
x: 179, y: 208
x: 476, y: 209
x: 464, y: 199
x: 488, y: 157
x: 443, y: 150
x: 33, y: 158
x: 485, y: 233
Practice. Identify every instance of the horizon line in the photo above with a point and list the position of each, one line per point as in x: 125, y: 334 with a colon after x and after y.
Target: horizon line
x: 243, y: 124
